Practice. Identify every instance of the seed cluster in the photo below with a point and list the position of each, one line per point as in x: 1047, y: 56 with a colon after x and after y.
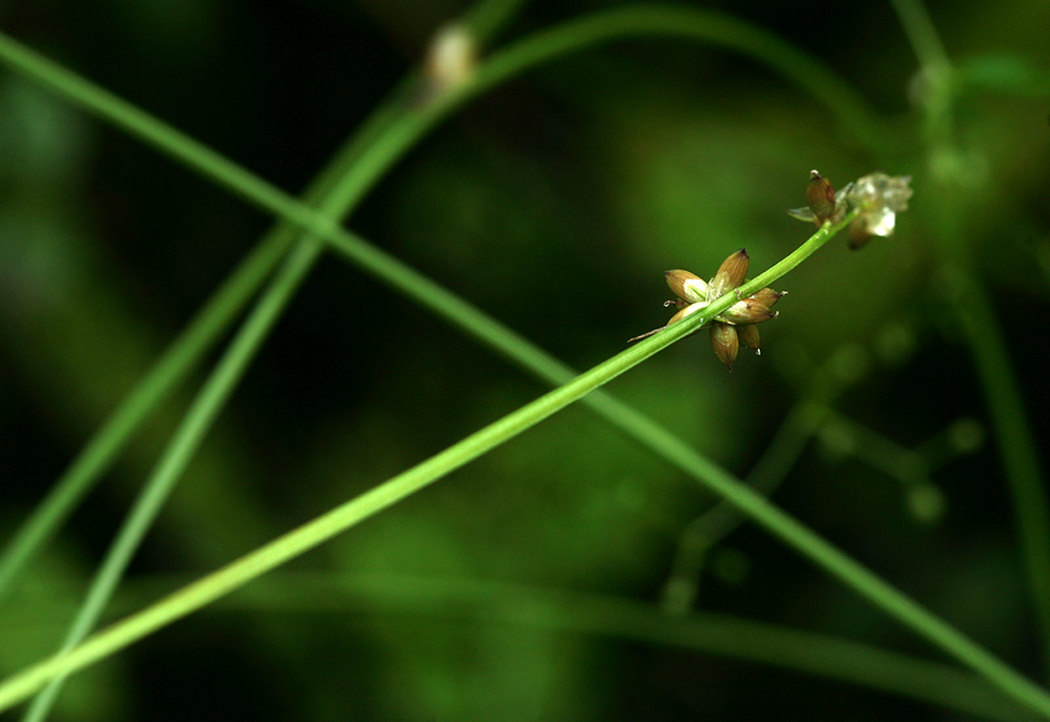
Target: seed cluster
x: 877, y: 198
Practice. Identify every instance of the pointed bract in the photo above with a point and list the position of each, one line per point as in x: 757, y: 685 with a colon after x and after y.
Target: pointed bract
x: 803, y: 214
x: 748, y: 311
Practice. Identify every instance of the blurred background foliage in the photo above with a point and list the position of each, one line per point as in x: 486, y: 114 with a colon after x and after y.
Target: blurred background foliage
x: 555, y: 203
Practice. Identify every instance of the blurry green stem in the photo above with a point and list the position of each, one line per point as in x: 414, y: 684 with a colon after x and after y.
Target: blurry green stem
x: 387, y: 136
x: 614, y: 25
x: 211, y: 321
x: 971, y: 302
x: 936, y: 70
x: 295, y: 543
x: 99, y: 452
x: 184, y: 353
x: 1013, y: 434
x: 710, y: 26
x: 390, y: 147
x: 705, y: 531
x: 180, y: 451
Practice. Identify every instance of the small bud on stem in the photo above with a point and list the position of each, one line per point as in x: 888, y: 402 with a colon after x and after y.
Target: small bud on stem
x: 820, y: 196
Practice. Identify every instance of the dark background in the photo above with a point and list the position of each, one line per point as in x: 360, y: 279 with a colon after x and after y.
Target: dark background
x: 554, y: 203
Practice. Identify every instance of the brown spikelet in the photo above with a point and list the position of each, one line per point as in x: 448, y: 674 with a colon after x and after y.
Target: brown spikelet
x: 725, y: 342
x: 820, y: 196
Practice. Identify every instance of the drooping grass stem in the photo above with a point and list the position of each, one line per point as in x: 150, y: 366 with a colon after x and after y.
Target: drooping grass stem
x: 296, y: 542
x: 390, y: 132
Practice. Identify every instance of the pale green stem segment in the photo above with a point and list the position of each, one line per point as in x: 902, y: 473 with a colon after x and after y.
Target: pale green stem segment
x: 183, y: 355
x: 1017, y: 444
x: 179, y: 453
x: 389, y: 142
x: 296, y: 542
x: 387, y: 136
x: 338, y: 520
x: 224, y: 379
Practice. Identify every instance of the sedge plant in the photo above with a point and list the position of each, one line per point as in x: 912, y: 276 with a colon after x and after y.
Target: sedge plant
x: 395, y: 131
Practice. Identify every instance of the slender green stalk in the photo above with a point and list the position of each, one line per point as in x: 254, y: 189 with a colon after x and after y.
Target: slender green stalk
x: 896, y: 461
x: 473, y: 446
x: 922, y: 34
x: 486, y: 19
x: 705, y: 531
x: 101, y: 450
x: 224, y: 379
x: 167, y: 139
x: 178, y: 455
x: 185, y: 352
x: 387, y: 136
x: 610, y: 26
x: 296, y: 542
x: 328, y: 525
x: 1017, y: 445
x: 709, y: 26
x: 211, y: 321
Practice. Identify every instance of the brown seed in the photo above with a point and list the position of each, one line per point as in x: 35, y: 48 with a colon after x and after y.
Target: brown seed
x: 821, y: 197
x: 686, y: 285
x: 730, y: 274
x: 749, y: 337
x: 690, y: 309
x: 725, y: 343
x: 858, y: 235
x: 748, y: 311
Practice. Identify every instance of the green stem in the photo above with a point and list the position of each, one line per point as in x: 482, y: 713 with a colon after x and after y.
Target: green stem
x: 614, y: 25
x: 224, y: 379
x: 552, y: 44
x: 1015, y: 440
x: 705, y: 531
x: 385, y: 138
x: 210, y: 322
x: 198, y: 421
x: 184, y: 353
x: 102, y: 448
x: 323, y: 528
x: 1017, y: 445
x: 718, y: 29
